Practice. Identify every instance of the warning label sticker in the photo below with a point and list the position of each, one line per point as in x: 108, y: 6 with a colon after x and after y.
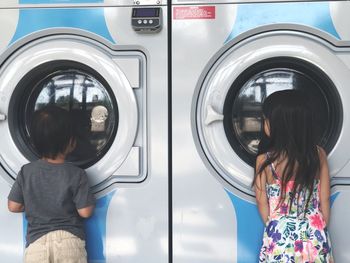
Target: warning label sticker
x: 194, y: 12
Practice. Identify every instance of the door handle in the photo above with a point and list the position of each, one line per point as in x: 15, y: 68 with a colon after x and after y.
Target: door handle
x: 212, y: 116
x: 2, y: 117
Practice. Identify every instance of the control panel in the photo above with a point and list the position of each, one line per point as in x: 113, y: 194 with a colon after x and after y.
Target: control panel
x: 146, y: 20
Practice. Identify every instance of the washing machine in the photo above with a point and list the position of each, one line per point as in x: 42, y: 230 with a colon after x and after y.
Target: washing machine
x: 106, y: 63
x: 228, y: 56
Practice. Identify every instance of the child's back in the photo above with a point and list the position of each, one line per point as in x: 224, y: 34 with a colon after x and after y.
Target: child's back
x: 292, y: 183
x: 52, y: 194
x: 295, y: 231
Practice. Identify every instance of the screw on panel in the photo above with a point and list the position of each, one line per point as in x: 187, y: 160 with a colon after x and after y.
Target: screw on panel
x: 2, y: 117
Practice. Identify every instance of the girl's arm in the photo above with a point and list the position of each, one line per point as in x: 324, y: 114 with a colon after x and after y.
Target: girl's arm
x: 325, y: 191
x: 260, y: 190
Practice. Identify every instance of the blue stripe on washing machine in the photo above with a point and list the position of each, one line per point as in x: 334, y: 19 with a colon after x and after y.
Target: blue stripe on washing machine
x: 25, y: 226
x: 333, y: 197
x: 58, y: 1
x: 250, y: 16
x: 95, y: 230
x: 249, y: 229
x: 89, y: 19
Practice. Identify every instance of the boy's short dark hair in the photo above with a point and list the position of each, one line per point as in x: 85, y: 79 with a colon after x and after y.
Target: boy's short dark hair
x: 51, y: 131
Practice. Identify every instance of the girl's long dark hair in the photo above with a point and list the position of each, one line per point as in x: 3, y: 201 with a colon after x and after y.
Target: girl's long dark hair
x: 292, y: 136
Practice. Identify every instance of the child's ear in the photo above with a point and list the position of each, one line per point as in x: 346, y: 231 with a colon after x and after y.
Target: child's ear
x: 72, y: 144
x: 267, y: 127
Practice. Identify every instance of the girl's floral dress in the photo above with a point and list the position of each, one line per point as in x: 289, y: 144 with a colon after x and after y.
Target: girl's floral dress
x: 295, y: 235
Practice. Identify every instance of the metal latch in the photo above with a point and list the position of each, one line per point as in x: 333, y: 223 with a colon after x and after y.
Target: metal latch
x: 2, y: 117
x: 212, y: 116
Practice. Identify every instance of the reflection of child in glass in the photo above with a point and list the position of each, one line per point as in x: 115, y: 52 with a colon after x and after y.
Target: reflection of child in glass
x: 292, y: 183
x: 54, y: 195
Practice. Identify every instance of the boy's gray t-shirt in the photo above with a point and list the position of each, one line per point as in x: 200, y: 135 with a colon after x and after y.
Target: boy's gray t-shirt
x: 51, y: 194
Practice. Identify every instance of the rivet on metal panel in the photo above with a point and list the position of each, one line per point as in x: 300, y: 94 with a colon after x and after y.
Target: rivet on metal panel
x: 2, y: 117
x: 147, y: 2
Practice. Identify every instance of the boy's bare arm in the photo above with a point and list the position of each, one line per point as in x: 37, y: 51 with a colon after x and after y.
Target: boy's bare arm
x: 86, y: 211
x: 15, y: 207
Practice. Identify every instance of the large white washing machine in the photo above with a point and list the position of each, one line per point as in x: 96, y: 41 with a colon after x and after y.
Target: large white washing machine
x: 227, y: 57
x: 105, y: 62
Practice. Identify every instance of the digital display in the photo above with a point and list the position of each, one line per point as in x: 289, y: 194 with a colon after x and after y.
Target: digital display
x: 146, y: 12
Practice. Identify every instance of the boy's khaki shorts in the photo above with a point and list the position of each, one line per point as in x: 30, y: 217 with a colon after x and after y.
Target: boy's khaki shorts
x: 56, y: 247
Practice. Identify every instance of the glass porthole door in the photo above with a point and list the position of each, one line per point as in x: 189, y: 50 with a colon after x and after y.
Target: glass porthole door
x: 242, y: 109
x: 79, y: 90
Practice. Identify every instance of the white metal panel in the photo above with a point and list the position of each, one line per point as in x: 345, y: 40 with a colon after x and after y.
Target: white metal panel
x: 131, y: 69
x: 204, y: 220
x: 11, y: 228
x: 7, y: 3
x: 137, y: 218
x: 131, y: 165
x: 339, y: 220
x: 78, y: 3
x: 340, y: 15
x: 8, y: 22
x: 137, y: 213
x: 196, y: 40
x: 209, y: 2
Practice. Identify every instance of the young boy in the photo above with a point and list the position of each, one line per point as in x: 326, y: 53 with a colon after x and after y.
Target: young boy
x: 54, y: 195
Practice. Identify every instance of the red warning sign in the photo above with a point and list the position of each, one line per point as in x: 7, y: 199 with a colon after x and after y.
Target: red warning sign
x: 194, y: 12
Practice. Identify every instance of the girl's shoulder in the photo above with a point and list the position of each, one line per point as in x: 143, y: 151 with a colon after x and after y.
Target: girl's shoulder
x: 321, y: 153
x: 266, y: 172
x: 322, y: 156
x: 260, y: 160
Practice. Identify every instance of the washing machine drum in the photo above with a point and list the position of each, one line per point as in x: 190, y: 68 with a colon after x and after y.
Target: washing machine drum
x: 80, y: 90
x: 243, y: 104
x: 231, y: 93
x: 82, y: 78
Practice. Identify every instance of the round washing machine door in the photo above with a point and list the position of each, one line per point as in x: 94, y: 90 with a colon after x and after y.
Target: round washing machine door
x: 80, y: 77
x: 231, y: 93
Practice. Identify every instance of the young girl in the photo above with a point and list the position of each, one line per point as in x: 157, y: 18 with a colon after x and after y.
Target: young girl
x: 53, y: 194
x: 292, y: 183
